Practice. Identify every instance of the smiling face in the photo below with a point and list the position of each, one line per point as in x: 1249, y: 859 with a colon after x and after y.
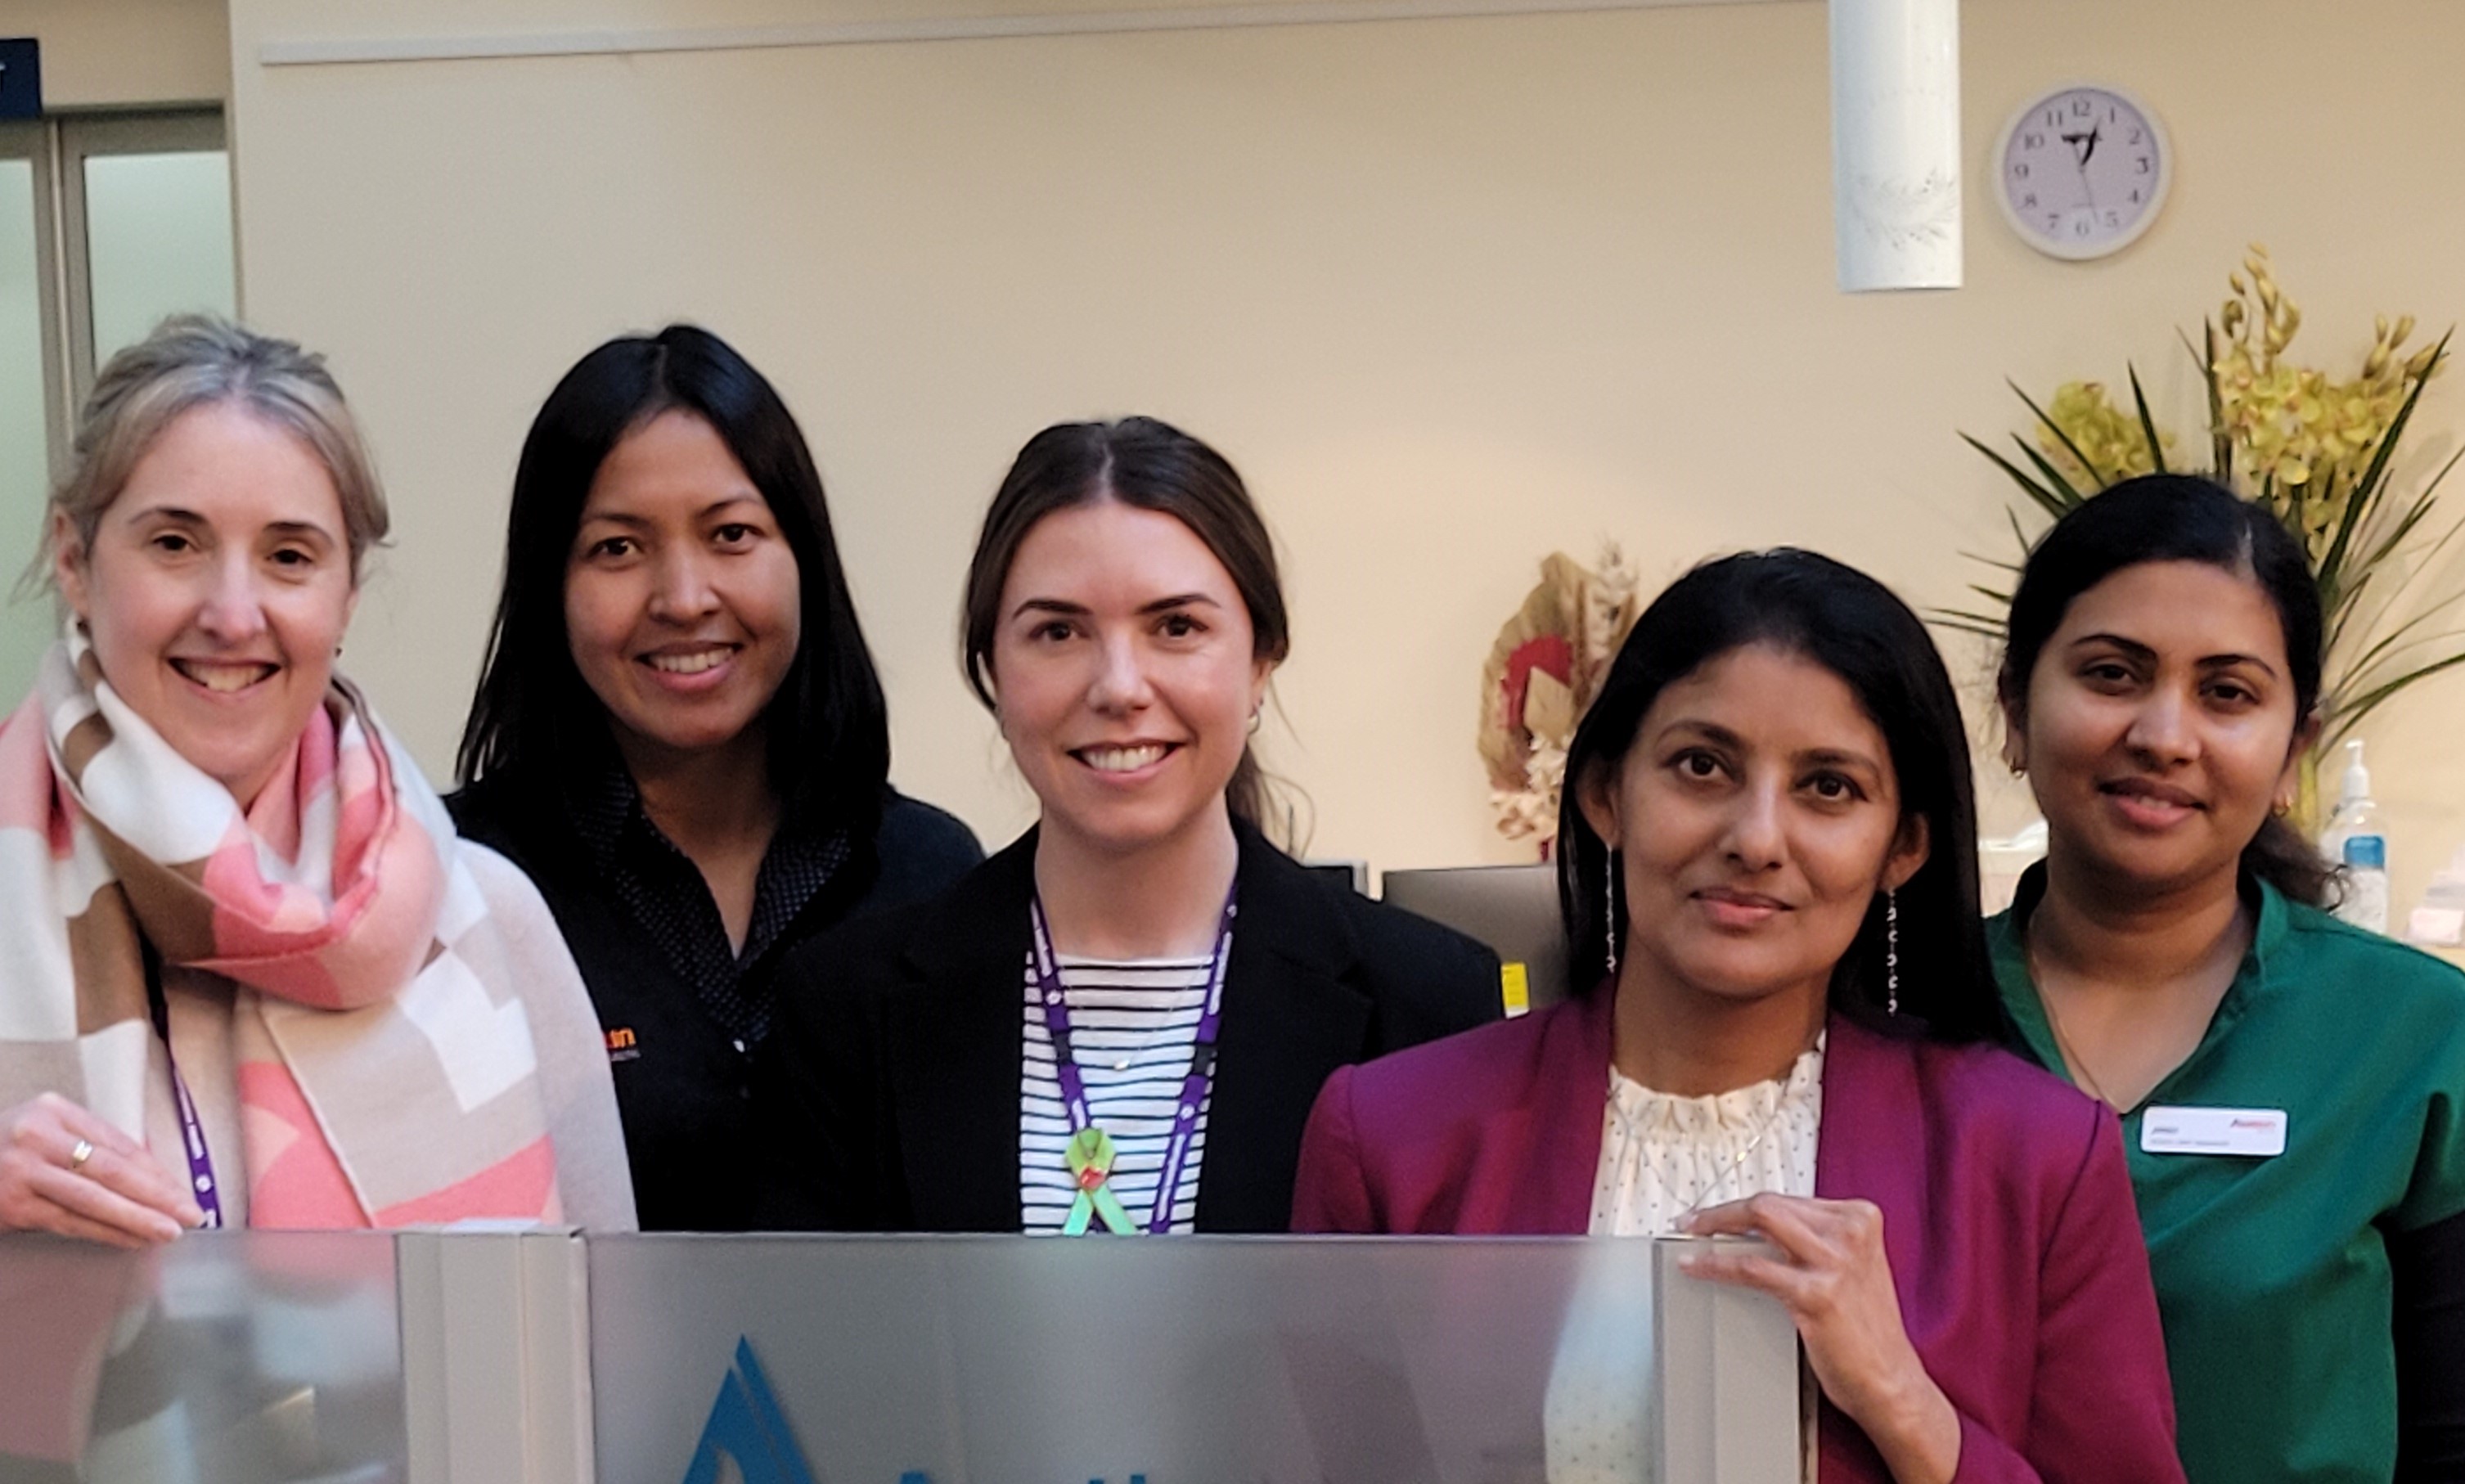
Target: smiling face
x: 682, y: 603
x: 2159, y: 728
x: 1756, y: 815
x: 216, y: 589
x: 1126, y: 675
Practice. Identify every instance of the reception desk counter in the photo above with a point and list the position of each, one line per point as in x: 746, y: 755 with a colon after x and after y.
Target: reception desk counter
x: 505, y: 1357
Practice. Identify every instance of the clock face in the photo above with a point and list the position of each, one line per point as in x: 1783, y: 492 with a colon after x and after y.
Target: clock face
x: 2082, y: 172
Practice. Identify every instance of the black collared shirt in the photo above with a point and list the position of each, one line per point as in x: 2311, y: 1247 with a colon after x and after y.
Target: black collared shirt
x: 665, y: 891
x: 682, y: 1014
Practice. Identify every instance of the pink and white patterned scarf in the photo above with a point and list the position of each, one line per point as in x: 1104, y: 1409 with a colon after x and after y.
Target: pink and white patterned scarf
x: 383, y: 1079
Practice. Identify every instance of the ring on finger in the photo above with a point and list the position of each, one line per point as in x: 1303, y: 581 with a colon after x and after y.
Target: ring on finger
x: 78, y: 1155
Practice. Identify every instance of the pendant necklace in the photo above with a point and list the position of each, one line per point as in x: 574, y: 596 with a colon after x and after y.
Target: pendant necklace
x: 1729, y: 1167
x: 2072, y: 1058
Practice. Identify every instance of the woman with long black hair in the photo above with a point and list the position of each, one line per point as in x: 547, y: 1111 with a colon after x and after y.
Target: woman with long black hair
x: 1785, y: 1026
x: 679, y: 735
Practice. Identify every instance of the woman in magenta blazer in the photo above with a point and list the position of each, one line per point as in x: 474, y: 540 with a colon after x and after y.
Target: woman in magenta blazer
x: 1768, y: 871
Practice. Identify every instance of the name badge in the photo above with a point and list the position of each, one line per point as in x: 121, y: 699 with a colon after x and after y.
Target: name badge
x: 2255, y: 1132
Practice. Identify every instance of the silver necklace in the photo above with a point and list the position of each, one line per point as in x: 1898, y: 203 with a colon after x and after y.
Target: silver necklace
x: 1728, y: 1169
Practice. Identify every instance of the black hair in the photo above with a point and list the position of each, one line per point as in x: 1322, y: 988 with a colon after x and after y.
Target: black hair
x: 2181, y: 517
x: 1151, y: 465
x: 1850, y: 625
x: 828, y: 729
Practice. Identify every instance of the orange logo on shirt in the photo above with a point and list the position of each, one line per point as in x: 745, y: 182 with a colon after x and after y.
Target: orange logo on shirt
x: 622, y: 1046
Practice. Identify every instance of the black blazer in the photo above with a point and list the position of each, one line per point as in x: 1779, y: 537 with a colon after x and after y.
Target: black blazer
x: 888, y: 1093
x: 684, y: 1083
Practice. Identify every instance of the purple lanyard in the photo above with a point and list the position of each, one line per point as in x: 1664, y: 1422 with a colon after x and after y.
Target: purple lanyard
x: 192, y: 1132
x: 1193, y: 1086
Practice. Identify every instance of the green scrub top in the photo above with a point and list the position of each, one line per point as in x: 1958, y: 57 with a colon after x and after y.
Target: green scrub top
x: 2271, y: 1272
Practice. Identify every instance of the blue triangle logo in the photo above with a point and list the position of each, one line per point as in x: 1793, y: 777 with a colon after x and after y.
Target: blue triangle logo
x: 747, y: 1429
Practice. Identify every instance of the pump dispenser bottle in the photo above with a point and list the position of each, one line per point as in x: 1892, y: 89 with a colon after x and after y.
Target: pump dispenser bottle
x: 2353, y: 841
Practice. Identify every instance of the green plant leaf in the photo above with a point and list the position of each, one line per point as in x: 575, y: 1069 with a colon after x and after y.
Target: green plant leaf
x: 2147, y: 424
x: 2414, y: 517
x: 2060, y: 437
x: 2045, y: 466
x: 2220, y: 439
x: 2405, y: 413
x: 2394, y: 641
x: 2332, y: 565
x: 2017, y: 534
x: 2352, y: 712
x: 2047, y: 500
x: 2368, y: 489
x: 1983, y: 625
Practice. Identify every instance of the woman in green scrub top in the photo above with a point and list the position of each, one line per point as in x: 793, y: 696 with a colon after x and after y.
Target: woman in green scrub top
x: 2293, y: 1088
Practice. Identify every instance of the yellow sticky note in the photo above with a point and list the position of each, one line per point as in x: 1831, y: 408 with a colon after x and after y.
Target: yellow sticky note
x: 1514, y: 986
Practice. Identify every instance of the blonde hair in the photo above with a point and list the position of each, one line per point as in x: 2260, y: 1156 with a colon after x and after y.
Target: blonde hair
x: 194, y: 361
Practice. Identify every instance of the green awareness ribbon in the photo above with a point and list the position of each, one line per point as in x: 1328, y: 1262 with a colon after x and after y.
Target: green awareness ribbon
x: 1090, y: 1156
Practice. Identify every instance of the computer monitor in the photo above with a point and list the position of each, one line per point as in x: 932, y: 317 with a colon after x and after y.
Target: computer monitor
x: 1512, y: 909
x: 1353, y: 876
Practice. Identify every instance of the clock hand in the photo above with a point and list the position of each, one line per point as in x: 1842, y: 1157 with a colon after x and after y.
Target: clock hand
x: 2082, y: 146
x: 2095, y: 133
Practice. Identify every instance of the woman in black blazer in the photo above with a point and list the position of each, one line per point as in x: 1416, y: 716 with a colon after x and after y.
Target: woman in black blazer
x: 1120, y: 1022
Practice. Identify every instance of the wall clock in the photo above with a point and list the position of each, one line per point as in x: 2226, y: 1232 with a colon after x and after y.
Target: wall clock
x: 2082, y: 172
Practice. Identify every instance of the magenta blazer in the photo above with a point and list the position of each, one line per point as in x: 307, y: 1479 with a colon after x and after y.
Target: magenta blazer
x: 2007, y: 1216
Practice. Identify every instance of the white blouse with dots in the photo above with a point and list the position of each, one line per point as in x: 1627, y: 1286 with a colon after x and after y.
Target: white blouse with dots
x: 1663, y: 1157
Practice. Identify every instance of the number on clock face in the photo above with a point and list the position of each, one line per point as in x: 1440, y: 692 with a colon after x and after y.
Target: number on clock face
x: 2082, y: 172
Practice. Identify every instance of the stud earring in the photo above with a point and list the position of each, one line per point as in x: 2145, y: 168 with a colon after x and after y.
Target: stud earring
x: 1892, y: 952
x: 1609, y: 910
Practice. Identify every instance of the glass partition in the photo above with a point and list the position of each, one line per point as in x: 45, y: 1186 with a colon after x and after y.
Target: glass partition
x: 25, y: 625
x: 535, y: 1358
x: 158, y: 241
x: 1010, y: 1361
x: 226, y: 1358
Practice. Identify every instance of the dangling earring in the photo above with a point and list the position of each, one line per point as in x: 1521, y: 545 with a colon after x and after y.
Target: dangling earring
x: 1609, y: 910
x: 1891, y: 953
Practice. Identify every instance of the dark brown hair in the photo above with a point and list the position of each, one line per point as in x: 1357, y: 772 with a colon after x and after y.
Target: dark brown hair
x: 1150, y: 465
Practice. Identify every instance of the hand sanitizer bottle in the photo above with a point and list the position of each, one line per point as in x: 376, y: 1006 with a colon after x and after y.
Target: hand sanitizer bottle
x: 2365, y: 902
x: 2354, y: 842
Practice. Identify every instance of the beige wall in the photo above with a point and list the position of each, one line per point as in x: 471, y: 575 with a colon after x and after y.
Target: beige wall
x: 121, y: 52
x: 1453, y: 294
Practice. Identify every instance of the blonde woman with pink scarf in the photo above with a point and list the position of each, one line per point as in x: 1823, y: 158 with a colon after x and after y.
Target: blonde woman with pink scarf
x: 247, y: 974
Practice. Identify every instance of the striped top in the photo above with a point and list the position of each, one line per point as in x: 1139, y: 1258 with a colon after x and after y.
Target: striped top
x: 1133, y: 1024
